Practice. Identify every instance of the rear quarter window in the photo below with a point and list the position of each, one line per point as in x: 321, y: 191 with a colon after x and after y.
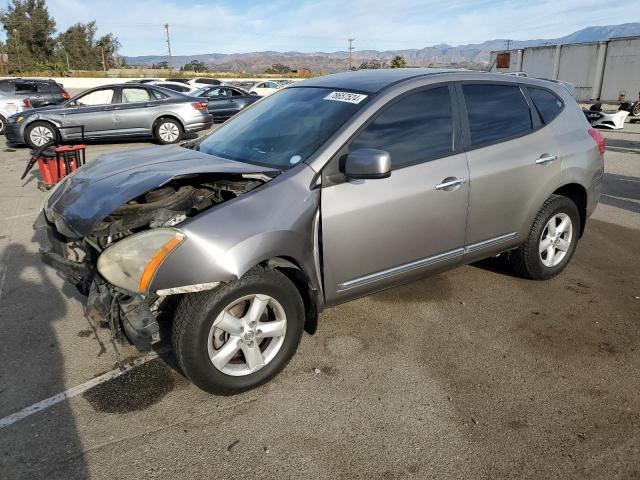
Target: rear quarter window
x: 547, y: 103
x: 496, y: 112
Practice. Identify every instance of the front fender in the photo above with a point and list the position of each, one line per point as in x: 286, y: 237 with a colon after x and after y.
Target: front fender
x: 276, y: 220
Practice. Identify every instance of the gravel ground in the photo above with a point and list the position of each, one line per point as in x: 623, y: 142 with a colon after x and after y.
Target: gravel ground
x: 470, y: 374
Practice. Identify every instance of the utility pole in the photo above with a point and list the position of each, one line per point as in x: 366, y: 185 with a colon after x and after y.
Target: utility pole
x: 68, y: 65
x: 104, y: 63
x: 17, y: 44
x: 507, y: 43
x: 166, y: 31
x: 350, y: 50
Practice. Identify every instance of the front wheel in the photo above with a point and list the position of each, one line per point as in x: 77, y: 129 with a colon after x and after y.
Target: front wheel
x: 635, y: 111
x: 3, y: 123
x: 239, y: 335
x: 40, y: 133
x: 168, y: 131
x: 551, y: 242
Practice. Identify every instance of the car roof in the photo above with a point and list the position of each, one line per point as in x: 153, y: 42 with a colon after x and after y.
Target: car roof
x: 371, y: 80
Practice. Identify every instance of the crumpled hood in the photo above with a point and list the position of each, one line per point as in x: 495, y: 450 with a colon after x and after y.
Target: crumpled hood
x: 95, y: 190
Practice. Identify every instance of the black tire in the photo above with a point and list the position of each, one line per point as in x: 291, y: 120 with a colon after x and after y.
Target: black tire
x: 196, y: 313
x: 526, y: 260
x: 27, y: 133
x: 158, y: 135
x: 635, y: 111
x: 3, y: 124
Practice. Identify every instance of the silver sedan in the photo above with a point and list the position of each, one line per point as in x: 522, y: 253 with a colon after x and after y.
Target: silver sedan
x: 110, y: 112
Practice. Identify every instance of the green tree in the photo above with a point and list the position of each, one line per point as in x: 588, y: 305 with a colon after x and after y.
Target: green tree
x: 160, y: 65
x: 194, y: 66
x: 398, y: 62
x: 81, y: 51
x: 372, y: 64
x: 29, y: 30
x: 279, y: 68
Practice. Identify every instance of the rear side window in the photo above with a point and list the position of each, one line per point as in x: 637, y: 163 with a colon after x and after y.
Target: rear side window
x: 547, y: 103
x: 158, y: 95
x: 495, y: 112
x: 25, y: 87
x: 43, y: 87
x: 133, y: 95
x: 416, y: 128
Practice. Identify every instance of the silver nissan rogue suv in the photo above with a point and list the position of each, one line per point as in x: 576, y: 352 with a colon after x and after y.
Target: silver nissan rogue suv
x: 328, y: 190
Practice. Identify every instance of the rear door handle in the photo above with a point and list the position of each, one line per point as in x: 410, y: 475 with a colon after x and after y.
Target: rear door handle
x: 546, y: 158
x: 450, y: 183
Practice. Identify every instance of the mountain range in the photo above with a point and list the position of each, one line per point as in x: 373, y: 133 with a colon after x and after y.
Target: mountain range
x: 470, y: 56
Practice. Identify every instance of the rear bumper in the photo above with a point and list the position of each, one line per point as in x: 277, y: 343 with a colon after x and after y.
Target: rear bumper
x: 197, y: 126
x: 594, y: 192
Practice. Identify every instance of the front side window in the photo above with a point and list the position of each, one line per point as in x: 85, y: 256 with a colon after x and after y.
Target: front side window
x: 547, y: 104
x: 133, y: 95
x: 284, y: 129
x: 97, y: 97
x: 414, y: 129
x: 495, y: 112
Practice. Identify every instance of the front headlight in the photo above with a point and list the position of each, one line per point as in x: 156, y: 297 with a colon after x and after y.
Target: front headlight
x: 131, y: 263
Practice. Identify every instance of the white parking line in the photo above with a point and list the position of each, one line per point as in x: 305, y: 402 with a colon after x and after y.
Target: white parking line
x: 3, y: 276
x: 31, y: 214
x: 78, y: 389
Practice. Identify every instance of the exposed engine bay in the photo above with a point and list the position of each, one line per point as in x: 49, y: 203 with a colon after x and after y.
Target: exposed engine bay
x: 134, y: 317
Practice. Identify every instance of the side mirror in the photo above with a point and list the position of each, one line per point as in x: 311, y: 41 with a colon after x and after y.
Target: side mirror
x: 368, y: 163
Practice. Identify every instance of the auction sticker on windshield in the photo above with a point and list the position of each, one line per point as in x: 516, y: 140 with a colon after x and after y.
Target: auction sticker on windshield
x: 345, y: 97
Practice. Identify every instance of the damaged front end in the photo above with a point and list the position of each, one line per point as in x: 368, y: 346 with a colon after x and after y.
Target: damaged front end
x: 74, y: 239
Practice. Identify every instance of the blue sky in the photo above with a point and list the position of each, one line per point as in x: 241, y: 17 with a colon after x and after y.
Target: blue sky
x: 230, y: 26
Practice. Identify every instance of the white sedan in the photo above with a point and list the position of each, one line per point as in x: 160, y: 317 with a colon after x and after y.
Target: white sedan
x: 265, y: 88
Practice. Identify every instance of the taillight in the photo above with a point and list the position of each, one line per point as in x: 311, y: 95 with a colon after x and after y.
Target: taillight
x: 26, y: 103
x: 598, y: 138
x: 199, y: 105
x: 65, y: 95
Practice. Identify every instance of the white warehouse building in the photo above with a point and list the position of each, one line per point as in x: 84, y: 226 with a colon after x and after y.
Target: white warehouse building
x: 608, y: 71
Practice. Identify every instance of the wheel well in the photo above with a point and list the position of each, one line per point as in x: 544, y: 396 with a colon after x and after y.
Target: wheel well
x: 163, y: 117
x: 53, y: 125
x: 289, y: 268
x: 578, y: 194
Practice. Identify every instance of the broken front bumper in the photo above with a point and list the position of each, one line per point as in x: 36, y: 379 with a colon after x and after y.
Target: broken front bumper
x: 128, y: 315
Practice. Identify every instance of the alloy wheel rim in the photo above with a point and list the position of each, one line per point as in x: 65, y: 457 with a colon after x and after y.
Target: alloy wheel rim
x: 555, y: 240
x: 168, y: 132
x: 40, y: 135
x: 247, y: 335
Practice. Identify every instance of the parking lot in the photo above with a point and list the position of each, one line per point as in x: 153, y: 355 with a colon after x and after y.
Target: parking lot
x: 474, y: 373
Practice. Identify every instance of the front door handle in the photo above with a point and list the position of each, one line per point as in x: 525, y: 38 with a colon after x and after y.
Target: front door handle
x: 546, y: 158
x: 451, y: 183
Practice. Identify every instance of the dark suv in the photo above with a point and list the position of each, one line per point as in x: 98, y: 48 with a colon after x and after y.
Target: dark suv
x: 39, y: 92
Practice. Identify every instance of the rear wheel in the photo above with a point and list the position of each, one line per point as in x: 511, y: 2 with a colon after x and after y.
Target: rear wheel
x: 635, y: 111
x: 240, y: 335
x: 39, y: 133
x: 168, y: 131
x: 3, y: 123
x: 552, y: 240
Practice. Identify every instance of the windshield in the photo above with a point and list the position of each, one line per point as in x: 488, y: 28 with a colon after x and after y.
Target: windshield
x: 199, y: 92
x: 285, y: 128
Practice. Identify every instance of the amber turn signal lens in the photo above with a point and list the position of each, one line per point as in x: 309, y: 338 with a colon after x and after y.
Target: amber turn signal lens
x: 156, y: 261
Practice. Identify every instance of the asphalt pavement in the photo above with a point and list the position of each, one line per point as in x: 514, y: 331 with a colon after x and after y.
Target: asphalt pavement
x: 474, y: 373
